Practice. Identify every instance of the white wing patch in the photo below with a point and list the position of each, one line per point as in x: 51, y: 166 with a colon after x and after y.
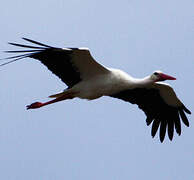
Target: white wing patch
x: 168, y: 94
x: 83, y: 48
x: 86, y: 64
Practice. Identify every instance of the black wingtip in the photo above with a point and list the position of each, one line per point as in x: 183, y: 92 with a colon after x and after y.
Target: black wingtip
x: 149, y: 120
x: 171, y: 138
x: 186, y: 110
x: 23, y: 51
x: 25, y: 46
x: 11, y: 61
x: 184, y: 117
x: 155, y: 126
x: 163, y: 126
x: 15, y: 58
x: 37, y: 43
x: 170, y: 129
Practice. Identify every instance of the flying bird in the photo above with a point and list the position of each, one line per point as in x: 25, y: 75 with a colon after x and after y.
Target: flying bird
x: 87, y: 79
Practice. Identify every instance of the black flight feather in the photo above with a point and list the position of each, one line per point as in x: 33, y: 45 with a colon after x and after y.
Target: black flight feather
x: 157, y: 111
x: 155, y: 127
x: 57, y: 60
x: 184, y: 117
x: 38, y: 43
x: 26, y: 46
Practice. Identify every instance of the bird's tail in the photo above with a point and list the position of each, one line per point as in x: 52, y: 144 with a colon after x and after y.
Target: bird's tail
x: 57, y: 95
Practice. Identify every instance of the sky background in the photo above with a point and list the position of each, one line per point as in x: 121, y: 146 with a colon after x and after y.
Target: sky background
x: 104, y: 139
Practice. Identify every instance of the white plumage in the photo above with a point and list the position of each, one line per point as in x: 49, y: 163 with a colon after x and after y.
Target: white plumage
x: 87, y: 79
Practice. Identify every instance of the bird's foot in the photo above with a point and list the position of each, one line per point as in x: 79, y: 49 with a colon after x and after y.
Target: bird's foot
x: 34, y: 105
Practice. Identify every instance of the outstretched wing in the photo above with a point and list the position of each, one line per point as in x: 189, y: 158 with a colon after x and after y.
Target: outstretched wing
x: 162, y: 112
x: 71, y: 65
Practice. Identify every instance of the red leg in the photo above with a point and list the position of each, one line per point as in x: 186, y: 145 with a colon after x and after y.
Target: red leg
x: 39, y: 104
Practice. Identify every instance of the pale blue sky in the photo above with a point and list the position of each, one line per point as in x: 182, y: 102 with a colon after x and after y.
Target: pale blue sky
x: 105, y: 139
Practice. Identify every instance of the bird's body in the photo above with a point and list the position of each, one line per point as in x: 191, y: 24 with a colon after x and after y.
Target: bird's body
x: 87, y: 79
x: 103, y: 85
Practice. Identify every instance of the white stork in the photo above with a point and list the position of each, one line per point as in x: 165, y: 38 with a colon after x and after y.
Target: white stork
x: 87, y: 79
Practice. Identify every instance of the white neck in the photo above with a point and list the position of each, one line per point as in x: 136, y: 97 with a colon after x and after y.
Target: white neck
x: 143, y: 81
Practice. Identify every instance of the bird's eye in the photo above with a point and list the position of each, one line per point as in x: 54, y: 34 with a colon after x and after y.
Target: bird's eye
x: 156, y: 73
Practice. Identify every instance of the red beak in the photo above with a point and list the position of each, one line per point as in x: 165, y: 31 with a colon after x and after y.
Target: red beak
x: 166, y: 77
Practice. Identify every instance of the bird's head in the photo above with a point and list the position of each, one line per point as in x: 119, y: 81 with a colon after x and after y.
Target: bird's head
x: 160, y: 76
